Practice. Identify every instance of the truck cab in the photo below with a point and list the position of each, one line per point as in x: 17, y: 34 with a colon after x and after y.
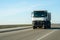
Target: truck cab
x: 41, y: 19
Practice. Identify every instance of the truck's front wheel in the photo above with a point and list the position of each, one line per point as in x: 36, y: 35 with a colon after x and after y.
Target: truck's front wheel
x: 47, y: 25
x: 34, y: 27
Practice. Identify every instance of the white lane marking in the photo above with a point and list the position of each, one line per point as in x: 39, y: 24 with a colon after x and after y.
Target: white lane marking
x: 46, y: 35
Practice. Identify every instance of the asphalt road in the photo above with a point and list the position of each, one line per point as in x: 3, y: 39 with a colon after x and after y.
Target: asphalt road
x: 30, y: 34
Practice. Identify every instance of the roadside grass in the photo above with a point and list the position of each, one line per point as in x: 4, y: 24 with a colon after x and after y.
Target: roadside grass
x: 13, y: 26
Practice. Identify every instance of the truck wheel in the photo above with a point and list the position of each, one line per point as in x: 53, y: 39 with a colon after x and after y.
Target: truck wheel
x: 34, y: 27
x: 49, y: 25
x: 45, y: 27
x: 40, y: 26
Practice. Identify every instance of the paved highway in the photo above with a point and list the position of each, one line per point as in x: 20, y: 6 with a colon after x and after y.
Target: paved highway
x: 30, y: 34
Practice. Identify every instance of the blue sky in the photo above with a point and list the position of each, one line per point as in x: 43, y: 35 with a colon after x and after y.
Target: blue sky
x: 19, y: 11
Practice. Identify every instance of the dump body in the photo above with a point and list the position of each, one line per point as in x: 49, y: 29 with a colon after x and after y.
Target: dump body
x: 40, y: 19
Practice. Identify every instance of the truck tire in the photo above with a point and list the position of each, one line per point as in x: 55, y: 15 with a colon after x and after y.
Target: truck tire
x: 40, y: 26
x: 47, y: 25
x: 34, y: 27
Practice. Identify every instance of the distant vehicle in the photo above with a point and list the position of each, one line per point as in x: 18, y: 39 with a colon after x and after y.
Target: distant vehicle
x: 41, y: 19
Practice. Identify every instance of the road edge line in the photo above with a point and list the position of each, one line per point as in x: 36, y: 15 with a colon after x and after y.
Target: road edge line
x: 46, y: 35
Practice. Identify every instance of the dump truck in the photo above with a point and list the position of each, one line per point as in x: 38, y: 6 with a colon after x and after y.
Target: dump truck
x: 41, y: 19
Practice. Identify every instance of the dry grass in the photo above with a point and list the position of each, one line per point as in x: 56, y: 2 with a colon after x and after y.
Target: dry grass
x: 12, y: 26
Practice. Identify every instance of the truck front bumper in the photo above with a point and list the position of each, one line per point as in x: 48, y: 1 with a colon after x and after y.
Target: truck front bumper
x: 38, y: 23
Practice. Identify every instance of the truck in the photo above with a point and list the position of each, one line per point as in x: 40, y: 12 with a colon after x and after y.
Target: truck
x: 41, y: 19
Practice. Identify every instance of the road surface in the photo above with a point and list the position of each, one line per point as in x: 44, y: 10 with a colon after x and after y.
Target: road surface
x: 30, y: 34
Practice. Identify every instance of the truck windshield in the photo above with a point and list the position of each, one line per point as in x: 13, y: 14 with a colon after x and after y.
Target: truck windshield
x: 40, y: 14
